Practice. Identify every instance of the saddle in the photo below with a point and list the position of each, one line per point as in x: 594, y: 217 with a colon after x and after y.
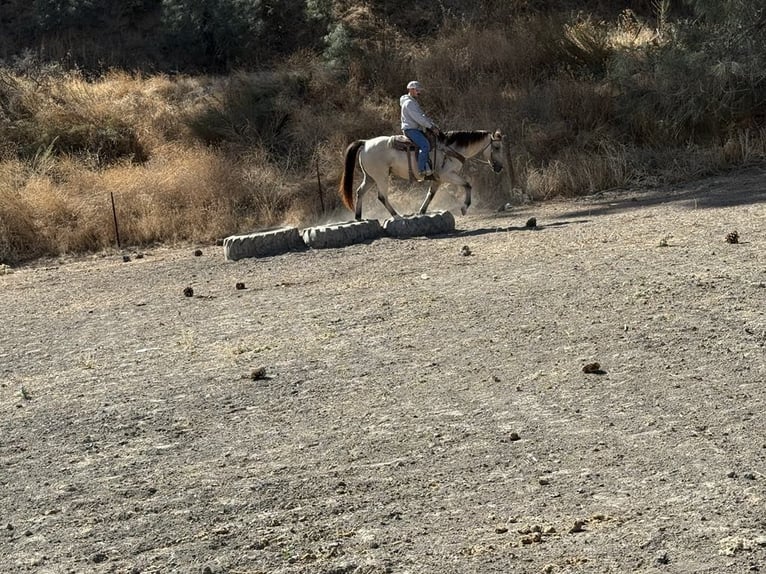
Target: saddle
x: 401, y: 142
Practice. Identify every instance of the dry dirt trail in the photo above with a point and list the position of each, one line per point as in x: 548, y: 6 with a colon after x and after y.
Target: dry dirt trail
x: 401, y: 406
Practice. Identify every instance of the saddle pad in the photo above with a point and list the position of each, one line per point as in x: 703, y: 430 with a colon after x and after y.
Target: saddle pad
x: 403, y: 143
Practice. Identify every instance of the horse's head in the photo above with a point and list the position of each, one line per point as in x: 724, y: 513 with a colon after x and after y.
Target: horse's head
x: 494, y: 153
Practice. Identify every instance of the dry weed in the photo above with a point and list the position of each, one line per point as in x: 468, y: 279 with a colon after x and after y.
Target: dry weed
x: 569, y: 92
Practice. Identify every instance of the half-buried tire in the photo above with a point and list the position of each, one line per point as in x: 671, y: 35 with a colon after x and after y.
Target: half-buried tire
x: 342, y: 234
x: 435, y: 223
x: 264, y: 243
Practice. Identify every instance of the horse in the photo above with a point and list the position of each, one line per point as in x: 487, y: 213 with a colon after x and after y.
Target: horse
x: 378, y: 158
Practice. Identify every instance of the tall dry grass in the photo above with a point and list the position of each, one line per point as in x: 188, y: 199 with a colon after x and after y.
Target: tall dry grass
x: 57, y: 183
x: 586, y: 105
x: 182, y: 194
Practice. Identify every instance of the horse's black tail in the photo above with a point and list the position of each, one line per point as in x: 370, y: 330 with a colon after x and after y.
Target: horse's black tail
x: 347, y: 179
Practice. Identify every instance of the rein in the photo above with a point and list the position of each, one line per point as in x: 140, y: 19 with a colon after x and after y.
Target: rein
x: 449, y: 152
x: 473, y: 157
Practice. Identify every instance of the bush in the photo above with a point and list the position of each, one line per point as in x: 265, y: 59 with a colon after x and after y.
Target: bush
x: 683, y: 90
x: 19, y: 239
x: 58, y: 115
x: 254, y: 111
x: 586, y: 104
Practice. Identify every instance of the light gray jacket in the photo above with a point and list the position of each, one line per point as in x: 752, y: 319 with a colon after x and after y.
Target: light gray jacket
x: 413, y: 117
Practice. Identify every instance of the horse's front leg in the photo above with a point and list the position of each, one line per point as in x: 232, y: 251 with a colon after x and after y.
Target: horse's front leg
x: 467, y: 200
x: 451, y: 176
x: 429, y: 196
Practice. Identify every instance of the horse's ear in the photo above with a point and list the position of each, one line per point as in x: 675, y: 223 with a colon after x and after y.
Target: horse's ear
x: 497, y: 135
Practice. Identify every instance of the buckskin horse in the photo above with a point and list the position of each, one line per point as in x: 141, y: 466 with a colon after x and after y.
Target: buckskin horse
x: 378, y: 157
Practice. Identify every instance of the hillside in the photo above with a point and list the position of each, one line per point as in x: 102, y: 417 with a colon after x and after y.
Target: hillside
x: 247, y: 128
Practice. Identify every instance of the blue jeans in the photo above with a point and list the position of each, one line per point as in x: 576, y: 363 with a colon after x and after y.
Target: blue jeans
x: 421, y: 141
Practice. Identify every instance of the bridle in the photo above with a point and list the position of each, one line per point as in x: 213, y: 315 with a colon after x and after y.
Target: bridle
x: 492, y: 141
x: 449, y: 152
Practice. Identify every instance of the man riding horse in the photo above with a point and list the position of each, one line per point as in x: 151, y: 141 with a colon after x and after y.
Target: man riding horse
x: 414, y: 124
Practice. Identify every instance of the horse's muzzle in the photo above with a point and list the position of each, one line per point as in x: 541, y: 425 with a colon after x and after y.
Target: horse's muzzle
x: 497, y: 167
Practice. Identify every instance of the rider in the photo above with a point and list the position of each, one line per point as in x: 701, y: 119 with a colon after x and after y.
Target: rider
x: 414, y: 122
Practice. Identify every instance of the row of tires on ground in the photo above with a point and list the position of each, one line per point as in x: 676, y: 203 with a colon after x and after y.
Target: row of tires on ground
x: 284, y: 239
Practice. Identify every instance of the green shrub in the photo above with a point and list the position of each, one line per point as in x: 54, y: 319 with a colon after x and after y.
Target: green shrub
x: 254, y: 110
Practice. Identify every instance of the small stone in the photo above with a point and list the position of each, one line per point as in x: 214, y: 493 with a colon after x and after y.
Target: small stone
x: 732, y: 237
x: 662, y: 558
x: 197, y: 252
x: 100, y: 557
x: 543, y: 481
x: 731, y: 546
x: 592, y: 368
x: 501, y: 530
x: 514, y: 436
x: 578, y: 526
x: 126, y: 258
x: 532, y: 538
x: 240, y: 286
x: 465, y: 251
x: 531, y: 222
x: 258, y: 374
x: 189, y: 292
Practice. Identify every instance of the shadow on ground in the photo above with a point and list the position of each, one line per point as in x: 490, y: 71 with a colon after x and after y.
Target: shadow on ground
x: 501, y: 228
x: 740, y: 188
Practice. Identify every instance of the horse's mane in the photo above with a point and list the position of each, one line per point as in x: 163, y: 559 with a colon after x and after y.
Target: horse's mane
x: 464, y: 138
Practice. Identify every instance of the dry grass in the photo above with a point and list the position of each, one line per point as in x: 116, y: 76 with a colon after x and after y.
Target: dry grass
x: 56, y: 199
x: 197, y: 158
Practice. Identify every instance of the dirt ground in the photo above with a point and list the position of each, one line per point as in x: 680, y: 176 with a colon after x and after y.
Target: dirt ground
x: 405, y: 406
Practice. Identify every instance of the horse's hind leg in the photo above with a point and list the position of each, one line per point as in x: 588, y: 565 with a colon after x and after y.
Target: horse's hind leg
x: 429, y: 196
x: 359, y: 194
x: 384, y: 200
x: 382, y: 184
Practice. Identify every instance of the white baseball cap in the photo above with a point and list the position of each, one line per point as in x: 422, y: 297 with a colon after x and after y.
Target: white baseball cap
x: 414, y: 84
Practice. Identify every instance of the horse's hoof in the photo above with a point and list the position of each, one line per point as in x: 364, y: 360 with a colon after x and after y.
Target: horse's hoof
x: 463, y: 210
